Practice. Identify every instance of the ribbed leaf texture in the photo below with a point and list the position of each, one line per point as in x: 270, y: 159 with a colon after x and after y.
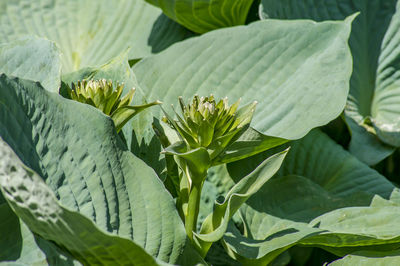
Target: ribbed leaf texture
x: 298, y: 71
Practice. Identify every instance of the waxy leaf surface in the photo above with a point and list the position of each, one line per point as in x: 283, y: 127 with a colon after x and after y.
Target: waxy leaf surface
x: 369, y: 258
x: 327, y: 198
x: 90, y: 33
x: 375, y: 82
x: 298, y: 71
x: 32, y: 58
x: 90, y: 169
x: 20, y: 245
x: 34, y: 202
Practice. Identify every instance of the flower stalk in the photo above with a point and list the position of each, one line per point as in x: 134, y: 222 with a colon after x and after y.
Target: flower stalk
x: 193, y: 207
x: 205, y: 129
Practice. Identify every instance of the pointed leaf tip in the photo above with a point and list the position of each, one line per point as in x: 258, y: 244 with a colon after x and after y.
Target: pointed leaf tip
x: 352, y: 17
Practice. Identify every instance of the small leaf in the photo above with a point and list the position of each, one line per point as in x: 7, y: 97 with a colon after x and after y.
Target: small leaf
x: 250, y: 142
x: 216, y: 223
x: 123, y: 114
x: 197, y: 160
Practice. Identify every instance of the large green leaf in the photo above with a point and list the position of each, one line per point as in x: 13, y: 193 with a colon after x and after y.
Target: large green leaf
x: 374, y: 85
x: 32, y: 58
x: 207, y: 15
x: 91, y: 32
x: 76, y: 150
x: 327, y: 198
x: 369, y: 259
x: 117, y: 70
x: 298, y: 71
x: 34, y: 202
x: 19, y: 244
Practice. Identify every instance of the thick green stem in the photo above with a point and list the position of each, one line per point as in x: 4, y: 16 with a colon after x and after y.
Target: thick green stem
x: 193, y: 209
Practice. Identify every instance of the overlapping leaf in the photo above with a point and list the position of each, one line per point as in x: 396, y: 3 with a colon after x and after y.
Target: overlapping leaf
x: 32, y: 58
x: 139, y: 130
x: 375, y: 83
x: 20, y: 245
x: 326, y: 198
x: 216, y: 223
x: 34, y: 202
x: 76, y: 150
x: 203, y: 16
x: 298, y: 71
x: 369, y: 259
x: 91, y: 32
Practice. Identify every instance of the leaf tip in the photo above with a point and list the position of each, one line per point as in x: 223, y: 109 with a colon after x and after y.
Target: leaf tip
x: 351, y: 18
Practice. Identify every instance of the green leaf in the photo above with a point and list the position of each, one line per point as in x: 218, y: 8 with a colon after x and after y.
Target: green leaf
x: 145, y: 144
x: 34, y: 202
x: 217, y: 256
x: 216, y: 223
x: 366, y: 146
x: 327, y: 198
x: 117, y: 70
x: 250, y: 142
x: 89, y: 32
x: 375, y: 84
x: 196, y: 161
x: 217, y: 184
x: 369, y: 258
x: 165, y: 133
x: 298, y: 71
x: 32, y: 58
x: 20, y: 245
x: 90, y: 171
x: 203, y: 16
x: 123, y: 114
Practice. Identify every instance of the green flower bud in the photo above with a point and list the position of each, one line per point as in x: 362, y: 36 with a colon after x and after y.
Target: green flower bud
x: 106, y: 96
x: 102, y: 94
x: 210, y: 124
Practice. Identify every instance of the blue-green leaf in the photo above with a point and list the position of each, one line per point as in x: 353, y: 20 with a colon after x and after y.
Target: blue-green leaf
x: 77, y: 152
x: 322, y: 196
x: 19, y: 245
x: 297, y: 71
x: 32, y: 58
x: 375, y: 83
x: 90, y: 33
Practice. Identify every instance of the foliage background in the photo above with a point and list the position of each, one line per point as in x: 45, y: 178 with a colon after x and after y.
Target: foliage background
x: 325, y: 73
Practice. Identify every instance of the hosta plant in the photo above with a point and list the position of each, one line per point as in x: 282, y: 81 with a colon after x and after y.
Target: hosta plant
x: 89, y: 175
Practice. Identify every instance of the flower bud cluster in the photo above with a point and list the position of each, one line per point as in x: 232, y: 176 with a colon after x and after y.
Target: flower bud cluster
x: 102, y: 94
x: 210, y: 124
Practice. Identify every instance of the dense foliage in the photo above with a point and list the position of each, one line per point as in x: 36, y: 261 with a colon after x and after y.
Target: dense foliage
x: 284, y: 148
